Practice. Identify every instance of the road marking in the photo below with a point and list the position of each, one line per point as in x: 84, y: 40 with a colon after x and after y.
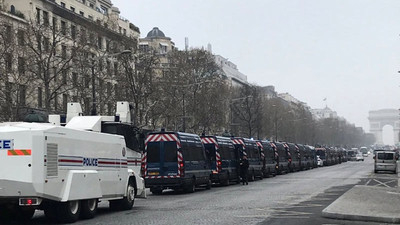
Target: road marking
x: 299, y: 206
x: 366, y: 184
x: 383, y: 183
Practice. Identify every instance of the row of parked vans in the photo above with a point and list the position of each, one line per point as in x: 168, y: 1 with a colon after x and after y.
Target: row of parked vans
x: 176, y: 160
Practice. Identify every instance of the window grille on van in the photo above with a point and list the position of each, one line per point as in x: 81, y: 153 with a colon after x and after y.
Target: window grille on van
x: 52, y: 160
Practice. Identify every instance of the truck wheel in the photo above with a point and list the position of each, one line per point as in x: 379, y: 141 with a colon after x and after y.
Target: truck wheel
x: 68, y: 212
x: 89, y: 208
x: 127, y: 202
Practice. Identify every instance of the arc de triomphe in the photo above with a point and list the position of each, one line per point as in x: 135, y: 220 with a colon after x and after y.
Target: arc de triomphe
x: 380, y: 118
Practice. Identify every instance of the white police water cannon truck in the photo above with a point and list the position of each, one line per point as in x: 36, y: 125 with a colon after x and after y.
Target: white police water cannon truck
x: 66, y: 171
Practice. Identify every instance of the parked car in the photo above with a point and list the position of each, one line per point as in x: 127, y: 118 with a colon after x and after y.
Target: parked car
x: 359, y: 157
x: 385, y: 161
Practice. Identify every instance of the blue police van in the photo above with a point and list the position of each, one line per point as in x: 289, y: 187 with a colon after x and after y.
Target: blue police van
x: 270, y: 158
x: 250, y: 149
x: 294, y: 157
x: 283, y: 155
x: 175, y: 160
x: 223, y: 158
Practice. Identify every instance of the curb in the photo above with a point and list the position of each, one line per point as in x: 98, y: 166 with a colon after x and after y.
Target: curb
x: 360, y: 217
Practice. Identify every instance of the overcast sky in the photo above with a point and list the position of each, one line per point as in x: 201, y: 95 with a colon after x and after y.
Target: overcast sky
x: 347, y: 51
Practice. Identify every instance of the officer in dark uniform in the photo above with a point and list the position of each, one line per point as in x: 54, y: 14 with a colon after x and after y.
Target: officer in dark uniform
x: 244, y: 168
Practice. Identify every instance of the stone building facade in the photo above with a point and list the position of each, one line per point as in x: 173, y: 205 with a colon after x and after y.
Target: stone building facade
x: 57, y: 51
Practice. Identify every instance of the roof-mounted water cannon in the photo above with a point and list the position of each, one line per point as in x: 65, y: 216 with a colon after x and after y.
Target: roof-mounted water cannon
x: 123, y: 112
x: 73, y: 109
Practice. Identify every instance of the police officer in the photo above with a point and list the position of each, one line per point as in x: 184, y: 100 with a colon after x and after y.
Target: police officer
x: 244, y: 168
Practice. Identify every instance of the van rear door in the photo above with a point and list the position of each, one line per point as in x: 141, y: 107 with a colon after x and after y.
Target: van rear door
x: 162, y: 159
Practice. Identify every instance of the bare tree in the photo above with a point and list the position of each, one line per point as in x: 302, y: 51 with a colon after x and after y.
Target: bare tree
x: 248, y: 110
x: 50, y: 50
x: 196, y: 92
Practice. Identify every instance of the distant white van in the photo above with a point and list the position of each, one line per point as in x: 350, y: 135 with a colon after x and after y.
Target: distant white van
x: 385, y: 161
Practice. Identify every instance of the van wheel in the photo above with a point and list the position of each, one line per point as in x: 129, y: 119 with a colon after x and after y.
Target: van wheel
x: 190, y: 188
x: 127, y: 202
x: 68, y: 212
x: 226, y: 182
x: 262, y: 175
x: 209, y: 183
x: 252, y: 177
x: 89, y: 208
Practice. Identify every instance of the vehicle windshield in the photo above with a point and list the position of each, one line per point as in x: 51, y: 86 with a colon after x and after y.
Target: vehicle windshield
x: 153, y: 152
x: 386, y: 156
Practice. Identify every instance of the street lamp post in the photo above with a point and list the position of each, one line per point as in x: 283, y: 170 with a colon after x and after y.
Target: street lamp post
x: 94, y: 105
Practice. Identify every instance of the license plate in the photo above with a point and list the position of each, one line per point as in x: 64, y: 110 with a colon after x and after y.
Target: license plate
x: 153, y: 173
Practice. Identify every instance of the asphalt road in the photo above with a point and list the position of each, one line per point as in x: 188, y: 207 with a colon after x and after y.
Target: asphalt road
x: 268, y: 201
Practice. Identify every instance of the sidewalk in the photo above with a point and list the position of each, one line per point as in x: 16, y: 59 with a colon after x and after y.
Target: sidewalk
x: 366, y: 203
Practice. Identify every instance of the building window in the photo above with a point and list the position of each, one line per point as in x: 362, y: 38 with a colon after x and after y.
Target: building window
x: 109, y: 89
x: 109, y: 68
x: 124, y: 31
x: 87, y: 81
x: 83, y: 36
x: 8, y: 34
x: 40, y: 97
x: 22, y: 94
x: 90, y: 17
x: 62, y: 4
x: 63, y: 27
x: 46, y: 44
x: 64, y: 77
x: 84, y: 2
x: 110, y: 108
x: 82, y: 13
x: 64, y: 52
x: 87, y: 105
x: 8, y: 62
x: 72, y: 9
x: 54, y: 24
x: 75, y: 79
x: 45, y: 18
x: 73, y: 32
x: 55, y: 101
x: 65, y: 102
x: 100, y: 42
x: 21, y: 65
x: 21, y: 37
x: 91, y: 5
x: 116, y: 69
x: 37, y: 15
x: 117, y: 92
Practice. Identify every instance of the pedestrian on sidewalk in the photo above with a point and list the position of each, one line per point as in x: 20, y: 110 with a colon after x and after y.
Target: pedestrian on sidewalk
x: 244, y: 168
